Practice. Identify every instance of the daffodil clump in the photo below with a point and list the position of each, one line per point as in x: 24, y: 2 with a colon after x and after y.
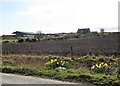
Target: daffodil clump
x: 55, y: 63
x: 100, y: 67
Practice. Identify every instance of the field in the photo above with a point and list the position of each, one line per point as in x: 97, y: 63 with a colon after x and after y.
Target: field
x: 104, y: 45
x: 74, y: 69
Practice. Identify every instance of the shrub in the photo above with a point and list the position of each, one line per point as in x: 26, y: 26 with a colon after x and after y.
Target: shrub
x: 7, y: 69
x: 28, y: 40
x: 33, y: 40
x: 20, y: 41
x: 5, y: 42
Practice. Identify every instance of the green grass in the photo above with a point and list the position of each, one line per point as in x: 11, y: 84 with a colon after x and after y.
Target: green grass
x: 9, y: 40
x: 65, y: 75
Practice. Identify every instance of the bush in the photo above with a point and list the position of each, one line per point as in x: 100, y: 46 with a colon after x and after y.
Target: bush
x: 33, y: 40
x: 28, y: 40
x: 7, y: 69
x: 20, y: 41
x: 5, y: 42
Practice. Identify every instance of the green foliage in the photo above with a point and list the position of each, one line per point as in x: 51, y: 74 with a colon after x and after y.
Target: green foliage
x: 7, y: 69
x: 100, y: 67
x: 10, y: 40
x: 79, y: 75
x: 58, y: 62
x: 20, y: 41
x: 103, y: 80
x: 5, y: 42
x: 27, y: 40
x: 33, y: 40
x: 118, y: 72
x: 7, y: 62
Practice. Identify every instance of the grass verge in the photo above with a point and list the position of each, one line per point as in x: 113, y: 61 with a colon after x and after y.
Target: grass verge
x: 64, y: 75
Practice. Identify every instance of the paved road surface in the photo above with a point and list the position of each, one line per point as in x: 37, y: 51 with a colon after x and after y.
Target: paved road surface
x: 18, y: 79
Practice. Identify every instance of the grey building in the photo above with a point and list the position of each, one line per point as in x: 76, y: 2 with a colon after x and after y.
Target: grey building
x: 84, y: 31
x: 24, y: 34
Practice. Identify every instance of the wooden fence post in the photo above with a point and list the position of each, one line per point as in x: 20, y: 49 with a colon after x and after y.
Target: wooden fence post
x: 71, y: 48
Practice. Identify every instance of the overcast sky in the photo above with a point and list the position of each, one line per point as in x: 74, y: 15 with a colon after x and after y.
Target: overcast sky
x: 53, y: 16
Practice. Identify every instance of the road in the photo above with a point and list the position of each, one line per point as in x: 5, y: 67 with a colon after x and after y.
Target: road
x: 18, y: 79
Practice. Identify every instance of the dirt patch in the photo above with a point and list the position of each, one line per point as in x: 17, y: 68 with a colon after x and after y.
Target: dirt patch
x: 22, y: 60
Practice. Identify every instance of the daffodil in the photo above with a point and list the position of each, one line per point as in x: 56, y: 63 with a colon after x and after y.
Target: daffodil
x: 57, y: 62
x: 62, y: 64
x: 99, y: 66
x: 52, y: 61
x: 93, y: 67
x: 96, y: 65
x: 106, y: 65
x: 55, y: 59
x: 102, y: 63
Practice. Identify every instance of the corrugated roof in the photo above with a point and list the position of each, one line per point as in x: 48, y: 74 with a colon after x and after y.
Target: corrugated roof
x: 30, y: 33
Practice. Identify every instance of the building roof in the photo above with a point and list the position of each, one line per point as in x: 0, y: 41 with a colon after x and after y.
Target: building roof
x: 83, y: 30
x: 27, y: 33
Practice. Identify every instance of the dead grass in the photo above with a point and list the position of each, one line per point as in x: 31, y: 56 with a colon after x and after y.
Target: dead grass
x: 24, y: 60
